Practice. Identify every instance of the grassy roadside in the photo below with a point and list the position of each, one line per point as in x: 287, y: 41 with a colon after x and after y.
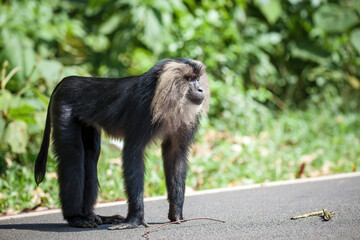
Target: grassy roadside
x: 290, y: 145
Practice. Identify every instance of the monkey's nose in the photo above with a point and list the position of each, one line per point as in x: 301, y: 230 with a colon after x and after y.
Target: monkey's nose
x: 200, y: 89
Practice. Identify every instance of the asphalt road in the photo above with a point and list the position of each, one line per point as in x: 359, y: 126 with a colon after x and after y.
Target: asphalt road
x: 255, y: 212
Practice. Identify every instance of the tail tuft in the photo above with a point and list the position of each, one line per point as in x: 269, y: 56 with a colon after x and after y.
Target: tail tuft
x: 40, y: 168
x: 40, y: 164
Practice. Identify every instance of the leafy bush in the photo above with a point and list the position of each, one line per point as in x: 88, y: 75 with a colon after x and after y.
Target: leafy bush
x: 284, y: 81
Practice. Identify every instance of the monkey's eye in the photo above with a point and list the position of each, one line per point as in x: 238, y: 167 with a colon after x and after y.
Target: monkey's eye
x: 188, y: 78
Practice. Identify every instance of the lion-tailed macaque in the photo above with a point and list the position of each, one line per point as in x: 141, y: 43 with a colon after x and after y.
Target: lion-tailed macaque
x: 165, y: 102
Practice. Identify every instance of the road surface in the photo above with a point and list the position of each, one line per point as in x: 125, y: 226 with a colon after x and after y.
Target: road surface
x: 250, y: 212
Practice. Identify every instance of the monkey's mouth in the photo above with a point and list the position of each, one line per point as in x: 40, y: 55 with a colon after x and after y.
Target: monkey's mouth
x: 196, y: 97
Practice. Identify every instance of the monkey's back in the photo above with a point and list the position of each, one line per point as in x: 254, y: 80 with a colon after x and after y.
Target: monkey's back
x: 113, y: 104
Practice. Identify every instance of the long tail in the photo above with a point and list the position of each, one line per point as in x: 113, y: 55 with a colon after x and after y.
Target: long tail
x: 40, y: 164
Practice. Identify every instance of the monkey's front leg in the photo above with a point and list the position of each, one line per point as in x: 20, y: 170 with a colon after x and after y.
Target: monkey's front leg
x: 133, y: 171
x: 175, y: 166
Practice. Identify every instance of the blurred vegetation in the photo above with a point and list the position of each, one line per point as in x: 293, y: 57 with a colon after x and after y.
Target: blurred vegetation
x: 284, y: 81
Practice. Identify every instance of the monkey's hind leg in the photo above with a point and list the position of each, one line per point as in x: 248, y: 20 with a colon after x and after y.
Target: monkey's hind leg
x: 91, y: 141
x: 70, y: 153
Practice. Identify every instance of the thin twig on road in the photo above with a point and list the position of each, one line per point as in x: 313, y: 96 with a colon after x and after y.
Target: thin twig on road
x: 146, y: 233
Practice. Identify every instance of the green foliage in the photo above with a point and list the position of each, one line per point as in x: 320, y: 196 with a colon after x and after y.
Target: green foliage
x: 332, y: 19
x: 284, y: 82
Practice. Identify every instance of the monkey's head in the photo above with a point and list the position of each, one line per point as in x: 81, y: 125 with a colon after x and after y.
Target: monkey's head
x: 182, y: 93
x: 195, y: 93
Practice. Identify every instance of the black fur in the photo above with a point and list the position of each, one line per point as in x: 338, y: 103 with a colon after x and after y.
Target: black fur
x: 78, y: 109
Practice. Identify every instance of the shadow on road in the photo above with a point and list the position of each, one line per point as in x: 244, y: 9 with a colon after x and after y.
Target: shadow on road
x: 44, y: 227
x: 56, y: 227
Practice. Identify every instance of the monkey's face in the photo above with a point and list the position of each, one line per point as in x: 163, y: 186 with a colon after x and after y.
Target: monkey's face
x: 182, y: 94
x: 196, y: 92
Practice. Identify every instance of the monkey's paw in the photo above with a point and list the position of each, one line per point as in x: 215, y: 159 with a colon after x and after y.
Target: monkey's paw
x: 175, y: 217
x: 83, y: 223
x: 128, y: 225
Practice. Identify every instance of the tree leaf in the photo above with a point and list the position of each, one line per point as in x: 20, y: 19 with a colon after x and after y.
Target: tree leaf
x: 309, y: 51
x: 2, y: 126
x: 355, y: 39
x: 5, y: 99
x: 333, y: 18
x: 24, y: 113
x: 19, y: 51
x: 111, y: 24
x: 98, y: 43
x: 41, y: 96
x: 97, y: 3
x: 353, y: 81
x: 271, y: 9
x: 8, y: 100
x: 28, y: 56
x: 152, y: 32
x: 50, y: 70
x: 16, y: 136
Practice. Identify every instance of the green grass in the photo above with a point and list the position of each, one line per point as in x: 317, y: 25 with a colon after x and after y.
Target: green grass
x: 270, y: 149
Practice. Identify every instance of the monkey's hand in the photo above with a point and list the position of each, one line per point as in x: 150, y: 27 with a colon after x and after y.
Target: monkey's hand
x: 128, y: 225
x: 175, y: 214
